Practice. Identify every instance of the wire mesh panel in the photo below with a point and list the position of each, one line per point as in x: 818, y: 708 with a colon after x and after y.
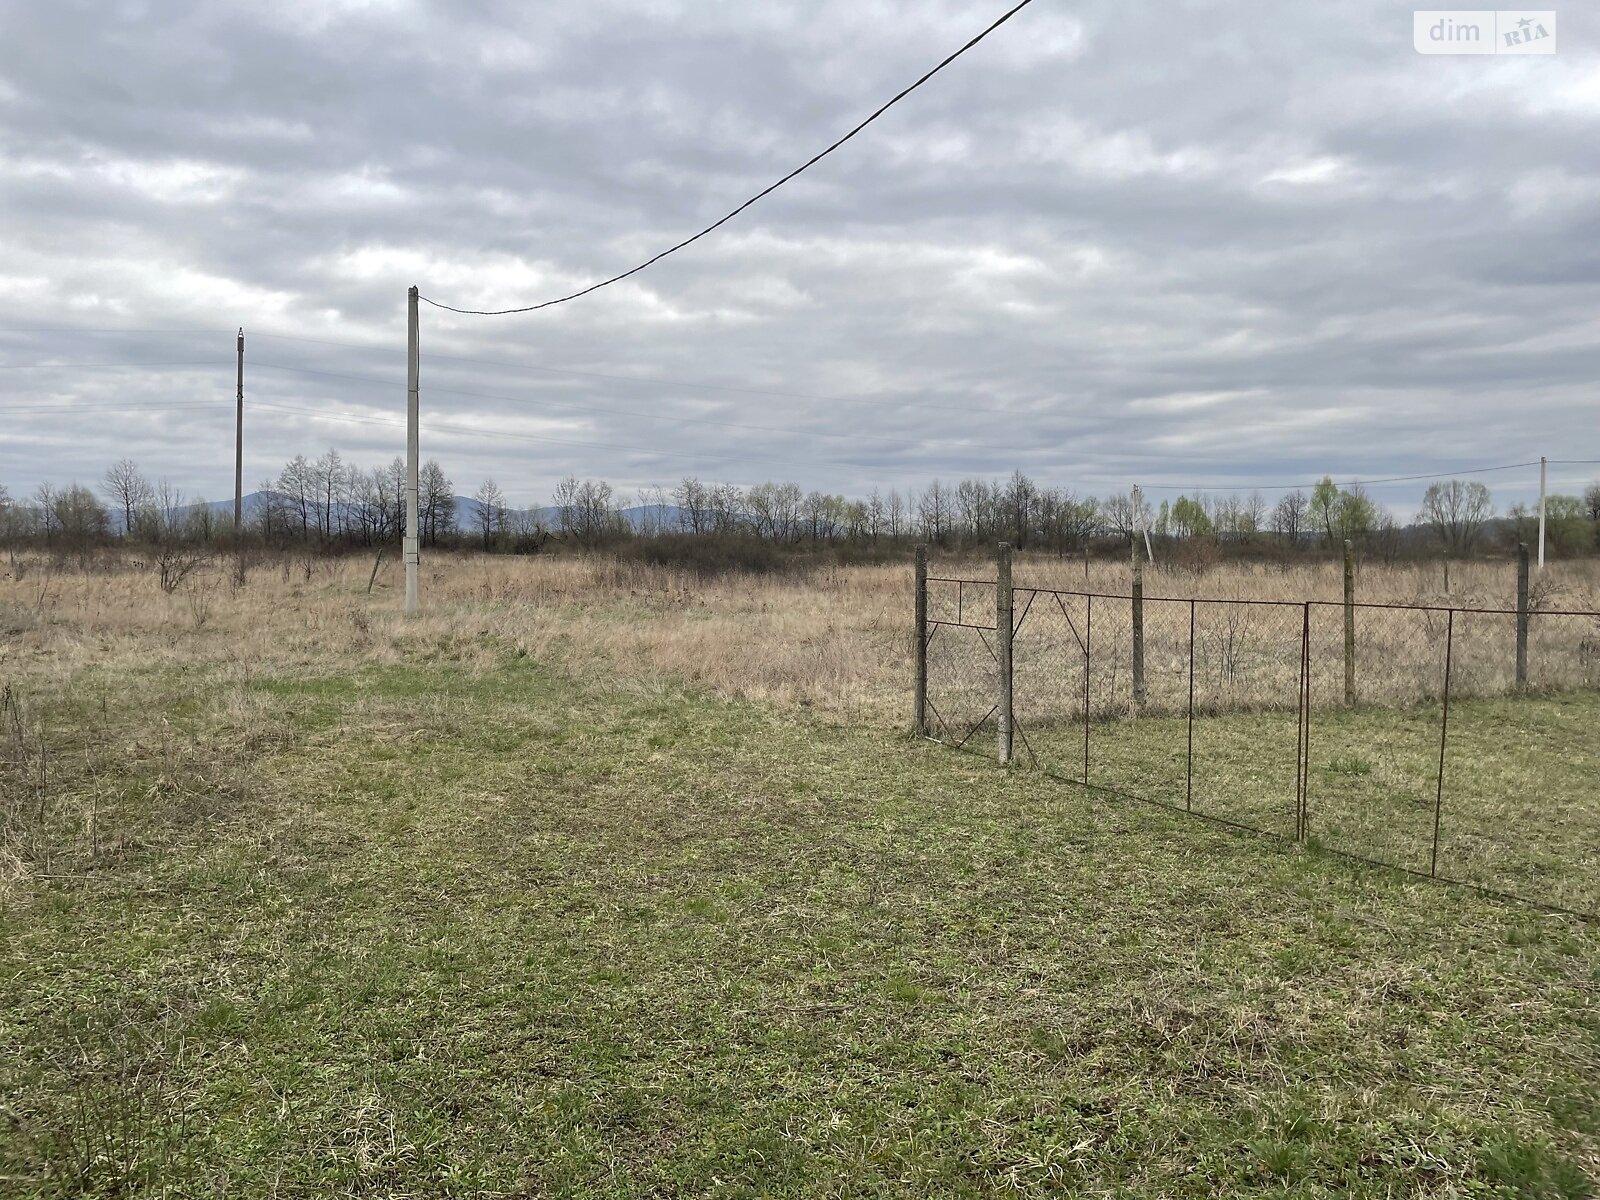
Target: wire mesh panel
x: 1483, y: 657
x: 1373, y: 729
x: 963, y: 673
x: 1050, y: 656
x: 1521, y: 803
x: 1247, y: 678
x: 1458, y: 743
x: 1139, y: 728
x: 1563, y: 651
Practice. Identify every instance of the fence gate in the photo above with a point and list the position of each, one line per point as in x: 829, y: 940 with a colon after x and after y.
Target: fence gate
x: 1318, y: 722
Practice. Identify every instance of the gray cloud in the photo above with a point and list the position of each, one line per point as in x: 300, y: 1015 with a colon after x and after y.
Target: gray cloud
x: 1173, y: 243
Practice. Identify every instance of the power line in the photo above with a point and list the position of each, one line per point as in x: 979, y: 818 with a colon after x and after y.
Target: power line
x: 1280, y: 487
x: 885, y: 107
x: 72, y: 409
x: 194, y: 362
x: 83, y: 329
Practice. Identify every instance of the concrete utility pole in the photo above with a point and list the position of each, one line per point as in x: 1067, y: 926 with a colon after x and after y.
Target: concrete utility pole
x: 1137, y: 518
x: 412, y: 544
x: 1542, y: 465
x: 1144, y: 530
x: 238, y: 446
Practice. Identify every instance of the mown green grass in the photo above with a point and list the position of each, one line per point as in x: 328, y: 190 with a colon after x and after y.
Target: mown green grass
x: 431, y: 931
x: 1519, y: 810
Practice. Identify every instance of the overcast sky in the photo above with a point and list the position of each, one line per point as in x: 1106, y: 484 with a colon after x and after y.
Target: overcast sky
x: 1169, y: 243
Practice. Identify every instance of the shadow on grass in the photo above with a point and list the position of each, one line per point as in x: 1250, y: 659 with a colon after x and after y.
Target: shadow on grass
x: 1512, y: 795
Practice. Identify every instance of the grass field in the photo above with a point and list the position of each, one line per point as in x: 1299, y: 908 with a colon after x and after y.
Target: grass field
x: 523, y: 898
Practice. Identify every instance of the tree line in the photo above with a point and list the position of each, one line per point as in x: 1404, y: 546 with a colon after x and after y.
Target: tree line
x: 331, y: 503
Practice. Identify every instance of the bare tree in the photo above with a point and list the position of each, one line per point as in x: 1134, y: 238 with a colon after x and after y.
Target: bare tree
x: 693, y: 501
x: 298, y: 485
x: 491, y: 502
x: 1020, y: 497
x: 974, y: 507
x: 875, y: 515
x: 653, y: 500
x: 438, y: 503
x: 726, y: 504
x: 934, y: 512
x: 129, y: 491
x: 332, y: 479
x: 44, y: 500
x: 1252, y: 514
x: 1289, y: 516
x: 1118, y: 515
x: 1456, y: 511
x: 272, y: 517
x: 593, y: 516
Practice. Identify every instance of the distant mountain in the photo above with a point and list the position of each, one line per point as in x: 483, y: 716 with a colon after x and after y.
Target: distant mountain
x: 222, y: 509
x: 666, y: 517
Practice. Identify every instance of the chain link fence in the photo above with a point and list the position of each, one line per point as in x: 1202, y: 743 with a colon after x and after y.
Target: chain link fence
x: 1459, y: 744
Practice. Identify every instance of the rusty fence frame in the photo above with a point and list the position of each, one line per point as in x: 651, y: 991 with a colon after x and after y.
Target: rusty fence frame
x: 998, y: 634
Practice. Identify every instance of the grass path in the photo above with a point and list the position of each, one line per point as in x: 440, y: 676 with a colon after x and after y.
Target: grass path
x: 428, y: 931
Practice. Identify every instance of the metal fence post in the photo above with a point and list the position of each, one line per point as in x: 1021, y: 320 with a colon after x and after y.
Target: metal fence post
x: 1349, y: 624
x: 919, y: 712
x: 1444, y: 732
x: 1522, y: 614
x: 1138, y: 636
x: 1002, y: 635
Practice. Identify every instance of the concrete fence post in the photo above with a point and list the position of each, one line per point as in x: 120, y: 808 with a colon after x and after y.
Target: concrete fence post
x: 1138, y: 636
x: 1522, y: 614
x: 1002, y: 634
x: 919, y: 711
x: 1349, y: 624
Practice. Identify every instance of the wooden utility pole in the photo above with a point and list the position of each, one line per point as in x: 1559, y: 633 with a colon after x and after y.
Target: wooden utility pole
x: 238, y: 446
x: 412, y: 544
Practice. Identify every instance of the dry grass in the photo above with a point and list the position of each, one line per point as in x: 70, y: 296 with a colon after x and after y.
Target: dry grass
x: 835, y: 640
x: 339, y: 903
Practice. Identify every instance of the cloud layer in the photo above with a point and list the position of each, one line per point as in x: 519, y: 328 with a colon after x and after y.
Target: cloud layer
x: 1116, y: 243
